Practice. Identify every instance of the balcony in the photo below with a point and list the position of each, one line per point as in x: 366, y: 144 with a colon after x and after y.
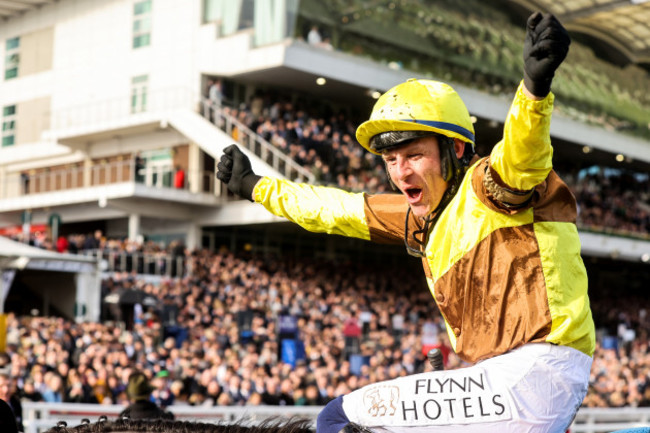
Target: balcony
x: 102, y: 180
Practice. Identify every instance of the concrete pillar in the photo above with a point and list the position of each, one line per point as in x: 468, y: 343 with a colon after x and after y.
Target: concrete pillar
x: 88, y: 296
x: 194, y: 233
x: 195, y: 168
x: 88, y: 171
x: 134, y: 226
x: 3, y: 182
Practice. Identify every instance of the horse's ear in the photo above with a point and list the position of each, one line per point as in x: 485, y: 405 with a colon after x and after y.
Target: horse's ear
x: 354, y: 428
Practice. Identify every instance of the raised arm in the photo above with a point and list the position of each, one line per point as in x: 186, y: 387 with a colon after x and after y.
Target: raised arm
x: 523, y: 158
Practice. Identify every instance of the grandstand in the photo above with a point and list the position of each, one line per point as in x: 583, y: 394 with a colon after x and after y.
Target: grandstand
x: 109, y: 124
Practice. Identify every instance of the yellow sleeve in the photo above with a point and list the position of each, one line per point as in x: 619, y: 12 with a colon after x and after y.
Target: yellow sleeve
x: 314, y: 208
x: 523, y: 158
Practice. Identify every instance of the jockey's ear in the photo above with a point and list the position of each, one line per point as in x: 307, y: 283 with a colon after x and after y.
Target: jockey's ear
x: 459, y: 147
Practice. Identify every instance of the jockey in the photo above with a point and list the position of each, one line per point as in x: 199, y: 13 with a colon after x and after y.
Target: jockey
x: 498, y: 244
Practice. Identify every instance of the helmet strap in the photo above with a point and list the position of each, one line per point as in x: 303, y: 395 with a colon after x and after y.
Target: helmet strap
x: 449, y: 163
x: 424, y: 231
x: 390, y: 181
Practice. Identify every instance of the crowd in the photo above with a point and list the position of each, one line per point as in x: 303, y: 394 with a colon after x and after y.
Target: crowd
x: 620, y: 375
x: 216, y: 338
x: 612, y: 200
x: 316, y: 137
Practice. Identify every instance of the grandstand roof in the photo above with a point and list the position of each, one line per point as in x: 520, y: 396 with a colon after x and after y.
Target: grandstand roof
x: 10, y: 8
x: 621, y: 24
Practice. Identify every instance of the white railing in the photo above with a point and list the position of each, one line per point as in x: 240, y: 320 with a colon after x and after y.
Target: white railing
x: 267, y: 152
x: 75, y: 176
x: 38, y: 417
x: 141, y: 263
x: 103, y: 173
x: 123, y: 108
x: 605, y: 420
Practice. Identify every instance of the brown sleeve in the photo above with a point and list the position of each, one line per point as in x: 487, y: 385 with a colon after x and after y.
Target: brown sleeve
x: 552, y: 199
x: 385, y: 215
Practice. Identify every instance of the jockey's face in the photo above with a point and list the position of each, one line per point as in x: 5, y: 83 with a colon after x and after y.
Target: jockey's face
x: 415, y: 170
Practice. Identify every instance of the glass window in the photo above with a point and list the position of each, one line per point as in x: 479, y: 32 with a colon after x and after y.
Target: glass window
x: 142, y: 7
x: 13, y: 43
x: 8, y: 125
x: 8, y: 140
x: 141, y: 41
x: 11, y: 73
x: 211, y: 11
x: 139, y: 86
x: 142, y: 23
x: 12, y: 57
x: 247, y: 14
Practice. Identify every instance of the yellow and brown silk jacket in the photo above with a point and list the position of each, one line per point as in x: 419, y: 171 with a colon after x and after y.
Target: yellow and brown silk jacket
x: 503, y: 260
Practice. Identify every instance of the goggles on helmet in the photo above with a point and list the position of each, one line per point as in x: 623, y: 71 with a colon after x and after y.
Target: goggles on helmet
x: 392, y: 139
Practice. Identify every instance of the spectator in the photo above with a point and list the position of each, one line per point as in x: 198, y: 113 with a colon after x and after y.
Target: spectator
x: 15, y: 412
x: 314, y: 37
x: 139, y: 167
x: 7, y: 418
x: 53, y: 392
x: 162, y: 393
x: 62, y: 244
x: 24, y: 179
x: 179, y: 178
x: 93, y: 241
x: 215, y: 92
x: 141, y: 407
x: 352, y: 334
x: 29, y: 392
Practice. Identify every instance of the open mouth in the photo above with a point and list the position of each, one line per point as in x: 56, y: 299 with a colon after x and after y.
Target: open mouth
x: 413, y: 194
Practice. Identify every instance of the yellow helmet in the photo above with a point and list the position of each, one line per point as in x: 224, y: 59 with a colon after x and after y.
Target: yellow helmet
x: 418, y: 105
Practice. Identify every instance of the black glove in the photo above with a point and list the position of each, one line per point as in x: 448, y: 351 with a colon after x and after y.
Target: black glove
x: 546, y: 46
x: 235, y: 170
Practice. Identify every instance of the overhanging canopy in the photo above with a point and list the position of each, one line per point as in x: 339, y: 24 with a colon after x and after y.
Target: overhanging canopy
x: 67, y: 282
x: 16, y: 255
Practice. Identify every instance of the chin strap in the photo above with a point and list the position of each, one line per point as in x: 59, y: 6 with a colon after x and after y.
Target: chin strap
x: 424, y: 231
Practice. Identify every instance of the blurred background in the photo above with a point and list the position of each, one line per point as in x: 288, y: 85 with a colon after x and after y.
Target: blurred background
x: 121, y: 251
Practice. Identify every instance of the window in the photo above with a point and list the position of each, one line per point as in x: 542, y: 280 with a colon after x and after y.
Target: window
x: 139, y: 93
x: 229, y: 15
x: 141, y: 23
x: 12, y: 57
x: 8, y: 125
